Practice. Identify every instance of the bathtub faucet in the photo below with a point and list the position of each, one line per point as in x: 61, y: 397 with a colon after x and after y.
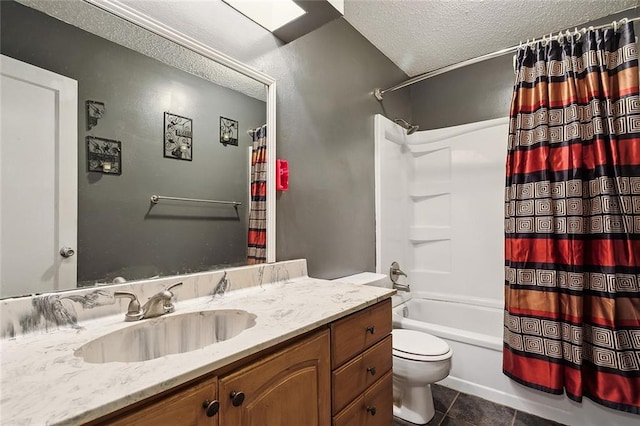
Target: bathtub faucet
x: 395, y: 272
x: 401, y: 287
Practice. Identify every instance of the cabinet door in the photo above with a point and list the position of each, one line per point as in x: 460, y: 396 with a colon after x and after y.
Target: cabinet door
x: 290, y: 387
x: 184, y: 408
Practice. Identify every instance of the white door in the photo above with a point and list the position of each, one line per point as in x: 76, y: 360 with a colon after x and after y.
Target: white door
x: 38, y: 179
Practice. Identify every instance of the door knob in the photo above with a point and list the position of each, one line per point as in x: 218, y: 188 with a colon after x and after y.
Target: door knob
x: 371, y: 410
x: 237, y: 398
x: 67, y: 252
x: 371, y: 370
x: 211, y: 407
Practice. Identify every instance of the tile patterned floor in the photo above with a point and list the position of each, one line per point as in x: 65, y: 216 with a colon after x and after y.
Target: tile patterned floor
x: 458, y: 409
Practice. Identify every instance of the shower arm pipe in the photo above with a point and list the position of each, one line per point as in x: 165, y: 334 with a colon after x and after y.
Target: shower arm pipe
x: 379, y: 93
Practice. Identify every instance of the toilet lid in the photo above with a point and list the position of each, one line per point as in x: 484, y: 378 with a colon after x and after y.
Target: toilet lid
x: 416, y: 344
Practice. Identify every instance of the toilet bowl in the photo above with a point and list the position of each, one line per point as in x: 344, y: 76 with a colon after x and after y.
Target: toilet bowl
x: 419, y: 359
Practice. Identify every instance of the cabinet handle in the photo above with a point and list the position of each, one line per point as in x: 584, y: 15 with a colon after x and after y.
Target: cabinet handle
x: 371, y: 370
x: 371, y: 329
x: 211, y: 407
x: 237, y: 398
x: 371, y: 410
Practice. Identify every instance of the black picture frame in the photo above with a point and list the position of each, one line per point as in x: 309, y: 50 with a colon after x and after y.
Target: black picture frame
x: 95, y: 111
x: 228, y: 131
x: 178, y: 137
x: 104, y: 155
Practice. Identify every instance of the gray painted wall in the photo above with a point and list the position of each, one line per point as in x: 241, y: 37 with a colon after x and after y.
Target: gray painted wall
x: 117, y: 228
x: 474, y: 93
x: 325, y: 130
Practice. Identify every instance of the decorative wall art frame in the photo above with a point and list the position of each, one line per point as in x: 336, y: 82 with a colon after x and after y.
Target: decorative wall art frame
x: 228, y: 131
x: 178, y: 137
x: 104, y: 155
x: 95, y: 111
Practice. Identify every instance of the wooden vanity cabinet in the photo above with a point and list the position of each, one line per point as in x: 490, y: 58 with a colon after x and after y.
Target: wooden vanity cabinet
x: 341, y: 374
x: 362, y: 386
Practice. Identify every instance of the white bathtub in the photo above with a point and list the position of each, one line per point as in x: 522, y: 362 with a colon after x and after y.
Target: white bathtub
x: 459, y: 322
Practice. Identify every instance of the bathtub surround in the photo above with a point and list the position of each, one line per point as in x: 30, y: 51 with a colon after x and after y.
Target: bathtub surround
x: 459, y: 295
x: 285, y: 301
x: 572, y: 233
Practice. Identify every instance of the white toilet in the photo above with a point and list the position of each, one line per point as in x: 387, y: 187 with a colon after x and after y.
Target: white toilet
x: 419, y: 359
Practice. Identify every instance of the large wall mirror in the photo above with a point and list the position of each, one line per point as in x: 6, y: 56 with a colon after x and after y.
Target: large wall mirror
x: 103, y: 108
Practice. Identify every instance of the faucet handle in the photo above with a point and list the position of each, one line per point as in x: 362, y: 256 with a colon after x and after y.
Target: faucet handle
x: 173, y: 285
x: 134, y: 312
x: 395, y: 272
x: 168, y: 302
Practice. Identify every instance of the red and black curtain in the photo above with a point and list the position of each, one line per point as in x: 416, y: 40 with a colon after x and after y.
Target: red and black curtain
x: 257, y: 244
x: 572, y: 219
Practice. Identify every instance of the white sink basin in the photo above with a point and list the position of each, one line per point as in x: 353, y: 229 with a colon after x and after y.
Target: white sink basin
x: 150, y: 339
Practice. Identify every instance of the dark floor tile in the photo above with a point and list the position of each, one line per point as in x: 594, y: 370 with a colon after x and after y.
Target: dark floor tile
x: 435, y: 421
x: 442, y: 397
x: 480, y: 412
x: 450, y: 421
x: 526, y: 419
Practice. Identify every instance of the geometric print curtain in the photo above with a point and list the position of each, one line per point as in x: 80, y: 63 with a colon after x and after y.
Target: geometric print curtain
x: 572, y: 219
x: 257, y: 244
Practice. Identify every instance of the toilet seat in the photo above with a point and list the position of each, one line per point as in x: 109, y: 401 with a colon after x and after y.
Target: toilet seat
x: 418, y: 346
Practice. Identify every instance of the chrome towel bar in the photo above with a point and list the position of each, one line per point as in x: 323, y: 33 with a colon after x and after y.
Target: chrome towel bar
x: 156, y: 198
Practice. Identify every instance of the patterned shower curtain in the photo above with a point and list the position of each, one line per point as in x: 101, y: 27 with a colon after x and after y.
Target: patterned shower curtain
x: 572, y: 220
x: 257, y: 244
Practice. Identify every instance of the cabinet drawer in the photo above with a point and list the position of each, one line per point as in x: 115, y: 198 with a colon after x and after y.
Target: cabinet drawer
x: 353, y: 334
x: 355, y: 376
x: 373, y: 408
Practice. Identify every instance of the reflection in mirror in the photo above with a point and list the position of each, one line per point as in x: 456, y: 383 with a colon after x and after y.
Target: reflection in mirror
x: 142, y: 125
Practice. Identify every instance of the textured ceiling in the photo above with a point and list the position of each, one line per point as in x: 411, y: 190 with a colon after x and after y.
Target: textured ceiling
x: 424, y: 35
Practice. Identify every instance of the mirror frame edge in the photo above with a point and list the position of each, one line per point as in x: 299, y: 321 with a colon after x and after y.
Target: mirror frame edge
x: 116, y: 8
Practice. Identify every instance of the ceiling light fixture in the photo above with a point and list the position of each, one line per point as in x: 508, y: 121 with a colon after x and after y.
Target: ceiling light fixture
x: 270, y: 14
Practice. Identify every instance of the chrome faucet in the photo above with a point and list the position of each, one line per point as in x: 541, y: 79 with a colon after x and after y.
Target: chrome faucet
x: 159, y: 304
x: 394, y: 274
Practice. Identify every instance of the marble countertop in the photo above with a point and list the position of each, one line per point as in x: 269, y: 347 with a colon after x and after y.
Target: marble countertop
x: 43, y: 382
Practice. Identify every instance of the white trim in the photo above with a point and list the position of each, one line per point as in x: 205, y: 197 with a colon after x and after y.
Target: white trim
x: 377, y: 136
x: 148, y: 23
x: 271, y: 172
x: 123, y: 11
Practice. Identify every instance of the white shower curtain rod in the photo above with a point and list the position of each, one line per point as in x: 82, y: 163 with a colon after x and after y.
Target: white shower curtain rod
x: 379, y: 93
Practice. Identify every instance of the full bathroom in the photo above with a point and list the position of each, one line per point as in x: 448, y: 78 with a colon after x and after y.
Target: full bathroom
x: 384, y: 212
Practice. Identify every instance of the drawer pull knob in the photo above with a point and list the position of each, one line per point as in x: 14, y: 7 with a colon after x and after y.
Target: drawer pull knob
x: 211, y: 407
x: 237, y: 398
x: 371, y: 370
x: 371, y: 410
x: 371, y: 329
